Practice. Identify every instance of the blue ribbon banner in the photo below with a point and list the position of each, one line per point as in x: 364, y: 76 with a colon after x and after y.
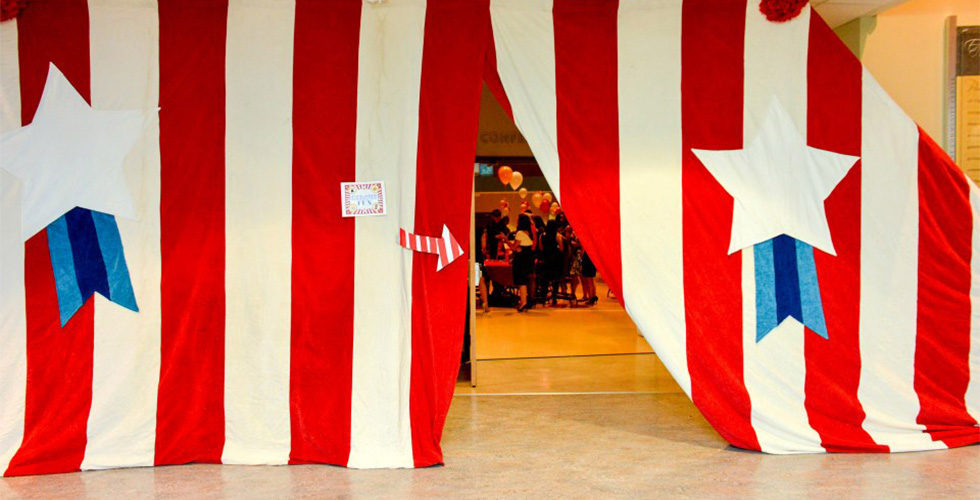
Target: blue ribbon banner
x: 87, y: 257
x: 786, y: 286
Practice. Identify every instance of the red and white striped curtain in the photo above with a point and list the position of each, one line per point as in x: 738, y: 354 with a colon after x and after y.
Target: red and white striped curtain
x: 272, y: 330
x: 614, y: 97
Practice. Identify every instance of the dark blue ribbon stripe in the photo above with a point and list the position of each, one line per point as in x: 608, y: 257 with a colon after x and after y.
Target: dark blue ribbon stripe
x: 787, y: 279
x: 89, y: 266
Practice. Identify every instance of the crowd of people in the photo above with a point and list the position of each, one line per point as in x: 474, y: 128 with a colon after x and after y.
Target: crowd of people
x: 547, y: 260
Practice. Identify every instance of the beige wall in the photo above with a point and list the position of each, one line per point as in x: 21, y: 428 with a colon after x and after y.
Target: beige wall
x: 498, y: 135
x: 904, y: 49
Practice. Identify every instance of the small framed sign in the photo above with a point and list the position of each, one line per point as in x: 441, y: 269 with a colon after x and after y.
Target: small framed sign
x: 363, y: 198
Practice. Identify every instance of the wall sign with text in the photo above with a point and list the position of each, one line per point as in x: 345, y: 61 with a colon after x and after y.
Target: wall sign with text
x: 363, y: 198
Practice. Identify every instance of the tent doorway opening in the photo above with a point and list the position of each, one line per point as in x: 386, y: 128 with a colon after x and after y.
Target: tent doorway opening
x: 573, y: 336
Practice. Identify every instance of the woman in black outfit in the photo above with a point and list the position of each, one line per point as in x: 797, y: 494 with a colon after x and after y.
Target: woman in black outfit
x: 523, y: 265
x: 588, y: 280
x: 552, y: 259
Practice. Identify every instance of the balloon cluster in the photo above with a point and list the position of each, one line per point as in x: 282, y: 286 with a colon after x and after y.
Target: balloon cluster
x: 543, y: 201
x: 507, y: 176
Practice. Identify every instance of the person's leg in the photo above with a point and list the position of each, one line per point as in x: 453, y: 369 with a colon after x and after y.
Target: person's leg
x: 484, y: 293
x: 522, y: 293
x: 574, y: 287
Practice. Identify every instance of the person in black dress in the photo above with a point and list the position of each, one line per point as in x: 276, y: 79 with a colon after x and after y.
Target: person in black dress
x: 588, y: 280
x: 523, y: 265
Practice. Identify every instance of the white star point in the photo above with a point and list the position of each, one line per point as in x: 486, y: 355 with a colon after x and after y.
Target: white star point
x: 779, y: 184
x: 71, y: 155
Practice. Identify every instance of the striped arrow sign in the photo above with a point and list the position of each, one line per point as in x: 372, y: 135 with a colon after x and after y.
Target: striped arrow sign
x: 447, y: 248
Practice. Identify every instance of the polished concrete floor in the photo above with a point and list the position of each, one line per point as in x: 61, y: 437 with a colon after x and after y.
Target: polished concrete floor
x: 604, y: 328
x: 574, y: 413
x: 556, y: 446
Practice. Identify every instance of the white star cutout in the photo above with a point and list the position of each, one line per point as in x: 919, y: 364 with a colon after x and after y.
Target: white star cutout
x: 71, y: 156
x: 779, y: 184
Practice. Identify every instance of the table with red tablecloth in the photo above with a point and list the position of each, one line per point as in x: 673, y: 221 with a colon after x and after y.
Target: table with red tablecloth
x: 500, y: 272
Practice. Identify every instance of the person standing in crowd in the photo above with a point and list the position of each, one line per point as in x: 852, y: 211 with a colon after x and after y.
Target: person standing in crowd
x: 493, y: 235
x: 537, y: 232
x: 523, y: 264
x: 588, y: 280
x: 551, y: 260
x: 489, y: 249
x: 573, y: 254
x: 561, y: 220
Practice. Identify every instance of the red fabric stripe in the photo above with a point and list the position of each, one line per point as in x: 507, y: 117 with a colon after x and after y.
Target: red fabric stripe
x: 712, y: 47
x: 449, y: 108
x: 59, y: 374
x: 59, y: 362
x: 586, y: 76
x: 52, y: 32
x: 324, y: 118
x: 190, y: 407
x: 424, y: 244
x: 833, y: 367
x: 403, y: 238
x: 942, y: 343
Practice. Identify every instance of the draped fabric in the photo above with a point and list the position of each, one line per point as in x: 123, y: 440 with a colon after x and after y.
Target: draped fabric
x: 272, y: 330
x: 624, y: 103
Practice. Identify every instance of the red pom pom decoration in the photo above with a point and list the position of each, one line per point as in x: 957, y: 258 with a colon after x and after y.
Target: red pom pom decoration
x: 9, y: 9
x: 780, y: 11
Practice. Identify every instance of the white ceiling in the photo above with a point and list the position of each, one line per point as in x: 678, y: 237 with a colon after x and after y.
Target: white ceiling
x: 838, y: 12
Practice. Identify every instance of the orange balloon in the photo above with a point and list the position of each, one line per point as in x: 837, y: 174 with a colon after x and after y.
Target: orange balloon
x: 516, y: 179
x: 536, y: 199
x: 505, y: 174
x: 548, y: 197
x: 523, y: 193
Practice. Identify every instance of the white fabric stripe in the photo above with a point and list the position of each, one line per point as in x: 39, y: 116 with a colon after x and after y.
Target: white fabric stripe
x: 524, y: 38
x: 258, y: 229
x: 9, y: 78
x: 775, y: 368
x: 418, y: 243
x: 973, y: 389
x: 13, y: 326
x: 124, y: 41
x: 651, y: 201
x: 388, y: 84
x: 889, y: 261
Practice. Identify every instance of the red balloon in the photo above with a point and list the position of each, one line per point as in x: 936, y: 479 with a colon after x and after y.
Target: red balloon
x: 545, y: 206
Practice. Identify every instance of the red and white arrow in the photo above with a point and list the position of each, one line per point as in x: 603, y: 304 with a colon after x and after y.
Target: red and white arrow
x: 447, y: 248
